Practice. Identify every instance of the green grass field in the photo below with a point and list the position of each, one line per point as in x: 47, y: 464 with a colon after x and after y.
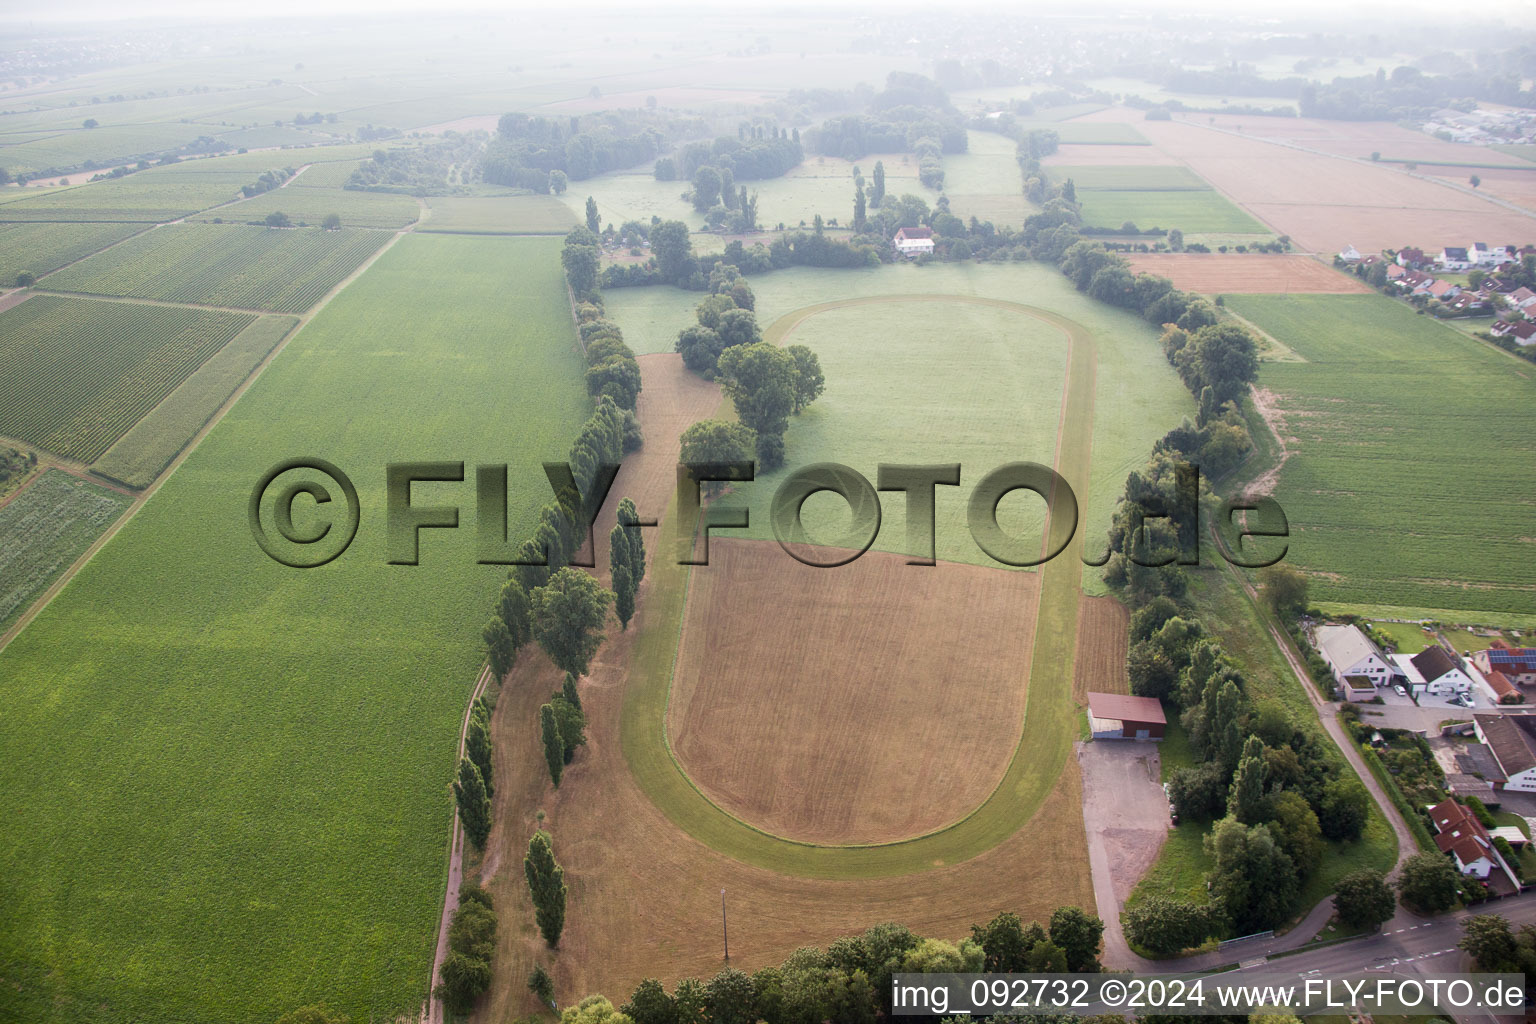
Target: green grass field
x: 920, y: 402
x: 1129, y: 177
x: 1189, y: 211
x: 986, y: 182
x: 1138, y: 397
x: 509, y: 215
x: 41, y: 248
x: 233, y: 800
x: 309, y: 206
x: 43, y: 530
x: 225, y: 265
x: 1404, y: 486
x: 149, y: 446
x: 77, y: 373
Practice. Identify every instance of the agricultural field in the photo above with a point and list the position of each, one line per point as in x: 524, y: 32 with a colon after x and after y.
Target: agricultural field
x: 509, y: 215
x: 1129, y: 177
x: 300, y: 725
x: 1102, y: 644
x: 43, y: 529
x: 1193, y: 212
x: 136, y: 198
x: 307, y: 205
x: 150, y: 444
x: 284, y: 271
x: 42, y: 248
x: 1093, y: 133
x: 1386, y: 434
x: 985, y: 182
x: 1214, y: 273
x: 77, y: 373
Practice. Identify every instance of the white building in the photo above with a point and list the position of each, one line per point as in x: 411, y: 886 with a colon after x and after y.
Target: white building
x: 911, y: 242
x: 1509, y: 738
x: 1453, y: 257
x: 1484, y: 255
x: 1432, y: 671
x: 1349, y: 254
x: 1350, y: 652
x: 1460, y: 835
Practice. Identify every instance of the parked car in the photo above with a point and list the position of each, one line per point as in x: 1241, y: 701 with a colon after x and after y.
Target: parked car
x: 1398, y: 689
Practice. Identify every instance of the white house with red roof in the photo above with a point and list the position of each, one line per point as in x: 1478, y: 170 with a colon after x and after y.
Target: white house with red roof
x: 911, y: 242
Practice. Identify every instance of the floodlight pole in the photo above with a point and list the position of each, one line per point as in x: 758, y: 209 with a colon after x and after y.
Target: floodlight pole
x: 725, y: 930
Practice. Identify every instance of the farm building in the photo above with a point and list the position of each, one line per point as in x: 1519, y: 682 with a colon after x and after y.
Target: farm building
x: 1432, y: 671
x: 1518, y: 664
x: 1512, y: 740
x: 1501, y: 689
x: 910, y: 242
x: 1350, y: 652
x: 1462, y: 836
x: 1117, y: 716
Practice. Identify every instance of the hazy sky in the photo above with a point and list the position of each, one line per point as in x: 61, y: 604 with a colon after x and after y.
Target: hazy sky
x: 14, y: 11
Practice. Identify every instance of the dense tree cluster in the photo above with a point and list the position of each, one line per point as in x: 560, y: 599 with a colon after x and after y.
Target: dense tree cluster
x: 755, y: 152
x: 473, y: 789
x: 912, y: 114
x: 626, y: 560
x: 1497, y: 948
x: 267, y: 181
x: 725, y: 319
x: 441, y: 167
x: 1407, y: 93
x: 466, y: 970
x: 526, y: 148
x: 612, y: 370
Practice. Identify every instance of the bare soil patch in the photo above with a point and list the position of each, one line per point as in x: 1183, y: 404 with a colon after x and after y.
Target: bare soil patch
x: 1322, y: 202
x: 1248, y: 273
x: 829, y: 705
x: 1102, y: 644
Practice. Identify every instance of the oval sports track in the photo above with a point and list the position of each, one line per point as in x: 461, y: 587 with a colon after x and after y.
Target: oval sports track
x: 1050, y: 720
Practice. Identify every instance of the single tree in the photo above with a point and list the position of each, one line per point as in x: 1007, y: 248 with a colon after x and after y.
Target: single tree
x: 629, y: 518
x: 1344, y: 808
x: 1428, y: 883
x: 716, y: 441
x: 568, y: 691
x: 878, y: 195
x: 499, y: 650
x: 514, y: 611
x: 477, y: 747
x: 278, y: 219
x: 568, y: 616
x: 331, y: 222
x: 465, y: 978
x: 558, y: 182
x: 474, y: 803
x: 623, y: 592
x: 26, y: 279
x: 572, y: 724
x: 860, y: 216
x: 1487, y: 938
x: 594, y: 222
x: 731, y: 998
x: 593, y: 1010
x: 1363, y: 900
x: 809, y: 380
x: 554, y: 747
x: 706, y: 188
x: 1078, y: 935
x: 542, y: 985
x: 1284, y: 590
x: 650, y: 1004
x: 1004, y: 943
x: 546, y: 883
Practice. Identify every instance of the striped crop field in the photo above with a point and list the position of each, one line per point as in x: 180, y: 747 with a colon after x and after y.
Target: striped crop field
x: 42, y: 248
x: 76, y: 373
x: 281, y: 270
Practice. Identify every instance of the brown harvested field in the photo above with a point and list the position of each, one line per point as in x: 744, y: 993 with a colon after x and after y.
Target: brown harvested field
x: 825, y: 704
x: 1324, y: 203
x: 645, y: 898
x: 1248, y: 273
x: 1102, y: 643
x: 1514, y: 185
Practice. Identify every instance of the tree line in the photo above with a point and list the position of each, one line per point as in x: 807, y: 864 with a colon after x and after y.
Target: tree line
x: 757, y: 151
x: 527, y: 149
x: 849, y: 982
x: 912, y: 114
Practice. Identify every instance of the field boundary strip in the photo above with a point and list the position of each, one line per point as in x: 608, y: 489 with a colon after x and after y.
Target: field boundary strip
x: 1047, y: 731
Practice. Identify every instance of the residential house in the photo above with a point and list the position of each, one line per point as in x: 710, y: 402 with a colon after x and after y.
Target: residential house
x: 911, y: 242
x: 1511, y: 739
x: 1518, y: 664
x: 1484, y: 255
x: 1463, y: 837
x: 1521, y: 298
x: 1411, y: 259
x: 1349, y: 652
x: 1443, y: 290
x: 1394, y: 271
x: 1413, y: 280
x: 1433, y: 672
x: 1468, y: 302
x: 1453, y: 257
x: 1523, y: 331
x: 1349, y: 254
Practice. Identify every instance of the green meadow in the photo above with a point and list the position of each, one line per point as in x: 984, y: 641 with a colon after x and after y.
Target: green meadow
x: 225, y: 784
x: 1411, y: 454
